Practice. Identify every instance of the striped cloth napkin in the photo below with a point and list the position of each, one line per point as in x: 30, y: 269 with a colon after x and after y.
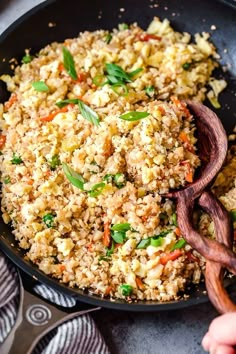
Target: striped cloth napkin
x: 77, y: 336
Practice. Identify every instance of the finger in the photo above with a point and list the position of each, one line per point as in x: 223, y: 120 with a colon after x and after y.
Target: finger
x: 206, y: 342
x: 222, y: 329
x: 222, y: 349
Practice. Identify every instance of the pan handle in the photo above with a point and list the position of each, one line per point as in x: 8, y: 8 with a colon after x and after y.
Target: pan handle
x: 36, y: 317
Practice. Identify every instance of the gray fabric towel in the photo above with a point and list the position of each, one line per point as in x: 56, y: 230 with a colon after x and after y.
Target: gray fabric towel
x: 77, y: 336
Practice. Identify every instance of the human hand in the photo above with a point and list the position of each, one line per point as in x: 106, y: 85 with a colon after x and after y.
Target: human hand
x: 221, y: 336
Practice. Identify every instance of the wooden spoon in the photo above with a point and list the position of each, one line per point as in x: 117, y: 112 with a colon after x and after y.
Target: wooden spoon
x: 218, y: 253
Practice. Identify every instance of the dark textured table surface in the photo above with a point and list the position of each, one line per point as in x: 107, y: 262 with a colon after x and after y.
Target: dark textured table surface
x: 171, y: 332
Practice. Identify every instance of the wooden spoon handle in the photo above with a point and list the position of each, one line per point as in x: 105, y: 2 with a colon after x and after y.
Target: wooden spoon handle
x: 214, y: 271
x: 210, y: 249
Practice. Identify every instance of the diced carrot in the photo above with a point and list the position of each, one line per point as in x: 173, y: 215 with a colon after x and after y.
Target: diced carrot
x: 145, y: 37
x: 81, y: 77
x: 144, y: 218
x: 172, y: 256
x: 177, y: 231
x: 90, y: 247
x: 191, y: 257
x: 107, y: 234
x: 108, y: 290
x: 118, y: 245
x: 181, y: 105
x: 62, y: 267
x: 189, y: 173
x: 52, y: 115
x: 11, y: 100
x: 2, y: 141
x: 189, y: 176
x: 139, y: 283
x: 61, y: 67
x: 184, y: 138
x: 162, y: 110
x: 30, y: 181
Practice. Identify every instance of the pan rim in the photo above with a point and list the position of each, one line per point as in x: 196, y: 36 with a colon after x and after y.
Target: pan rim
x: 54, y: 283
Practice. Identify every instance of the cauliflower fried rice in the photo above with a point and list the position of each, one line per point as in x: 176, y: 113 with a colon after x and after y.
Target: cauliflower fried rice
x: 93, y: 135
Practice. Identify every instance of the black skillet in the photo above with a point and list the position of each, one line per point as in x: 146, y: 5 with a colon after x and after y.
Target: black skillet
x: 67, y: 19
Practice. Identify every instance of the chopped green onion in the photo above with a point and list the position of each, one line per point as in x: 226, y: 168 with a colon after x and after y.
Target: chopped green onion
x: 75, y: 179
x: 121, y: 227
x: 100, y: 80
x: 150, y: 91
x: 156, y: 241
x: 164, y: 233
x: 110, y: 251
x: 64, y: 103
x: 186, y: 66
x: 135, y: 72
x: 54, y: 162
x: 7, y: 180
x: 119, y: 180
x: 88, y: 113
x: 48, y: 220
x: 174, y: 219
x: 134, y: 115
x: 27, y: 59
x: 123, y: 26
x: 108, y: 38
x: 103, y: 258
x: 40, y: 86
x: 96, y: 189
x: 118, y: 236
x: 16, y: 160
x: 69, y: 64
x: 116, y: 72
x: 144, y: 243
x: 108, y: 178
x: 233, y: 215
x: 179, y: 244
x: 126, y: 289
x: 120, y: 89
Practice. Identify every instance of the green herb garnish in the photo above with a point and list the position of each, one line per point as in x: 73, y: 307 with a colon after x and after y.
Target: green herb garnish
x: 120, y: 89
x: 116, y: 74
x: 110, y: 250
x: 123, y: 26
x: 144, y: 243
x: 121, y: 227
x: 108, y: 178
x: 100, y: 80
x: 76, y: 179
x: 88, y: 113
x: 85, y: 110
x: 118, y: 236
x: 7, y: 180
x: 179, y: 244
x: 96, y: 189
x: 150, y: 91
x: 27, y: 59
x: 126, y: 289
x: 108, y: 38
x: 16, y: 160
x: 134, y: 115
x: 69, y: 64
x: 54, y: 162
x: 186, y: 66
x: 40, y: 86
x: 174, y: 219
x: 48, y: 220
x: 119, y: 180
x: 156, y: 241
